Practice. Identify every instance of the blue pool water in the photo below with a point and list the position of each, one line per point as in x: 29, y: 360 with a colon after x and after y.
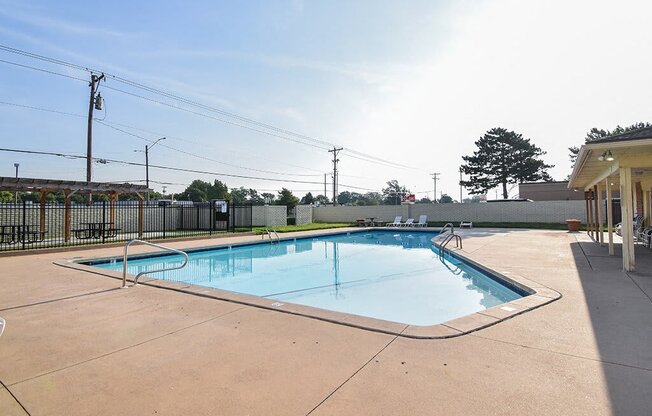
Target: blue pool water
x: 392, y: 275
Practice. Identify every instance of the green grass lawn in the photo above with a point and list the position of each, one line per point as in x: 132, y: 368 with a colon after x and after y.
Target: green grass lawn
x: 305, y: 227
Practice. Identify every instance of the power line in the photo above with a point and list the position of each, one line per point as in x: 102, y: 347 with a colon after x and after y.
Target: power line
x: 203, y: 157
x: 48, y: 110
x: 173, y: 137
x: 111, y: 124
x: 318, y: 143
x: 172, y: 168
x: 42, y: 70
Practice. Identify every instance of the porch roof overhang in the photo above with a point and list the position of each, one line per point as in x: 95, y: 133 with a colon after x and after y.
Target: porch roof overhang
x: 589, y: 170
x: 55, y: 185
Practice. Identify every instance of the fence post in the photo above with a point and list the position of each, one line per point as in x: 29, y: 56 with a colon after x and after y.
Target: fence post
x: 164, y: 208
x: 24, y: 224
x: 103, y: 227
x: 210, y: 218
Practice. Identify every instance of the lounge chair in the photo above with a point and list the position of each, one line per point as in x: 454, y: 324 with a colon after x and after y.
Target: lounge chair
x: 408, y: 223
x: 466, y: 224
x: 423, y: 221
x: 396, y: 223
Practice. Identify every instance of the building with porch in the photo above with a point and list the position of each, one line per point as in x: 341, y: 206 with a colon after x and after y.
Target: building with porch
x: 620, y: 162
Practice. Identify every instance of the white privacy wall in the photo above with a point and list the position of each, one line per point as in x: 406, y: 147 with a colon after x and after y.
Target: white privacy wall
x: 303, y: 214
x: 541, y: 211
x: 269, y: 215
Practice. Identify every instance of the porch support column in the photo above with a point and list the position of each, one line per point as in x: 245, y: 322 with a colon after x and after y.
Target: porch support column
x: 627, y: 211
x: 646, y: 208
x: 610, y: 218
x: 590, y: 221
x: 599, y: 236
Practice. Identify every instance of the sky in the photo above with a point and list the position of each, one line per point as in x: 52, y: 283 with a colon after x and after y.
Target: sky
x: 415, y: 83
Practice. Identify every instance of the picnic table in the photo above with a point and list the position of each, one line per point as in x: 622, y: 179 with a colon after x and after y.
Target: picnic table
x: 371, y: 222
x: 95, y: 230
x: 17, y: 233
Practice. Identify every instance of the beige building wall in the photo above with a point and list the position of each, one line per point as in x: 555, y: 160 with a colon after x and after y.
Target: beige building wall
x: 549, y: 191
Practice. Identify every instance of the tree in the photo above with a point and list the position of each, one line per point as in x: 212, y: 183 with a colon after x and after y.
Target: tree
x: 239, y: 195
x: 285, y: 197
x: 201, y: 191
x: 503, y: 157
x: 595, y: 134
x: 392, y: 193
x: 6, y: 196
x: 373, y: 198
x: 473, y: 200
x: 322, y: 200
x: 445, y: 199
x: 425, y: 200
x: 308, y: 199
x: 268, y: 198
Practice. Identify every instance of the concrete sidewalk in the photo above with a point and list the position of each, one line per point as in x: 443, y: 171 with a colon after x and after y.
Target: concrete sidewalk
x: 77, y: 345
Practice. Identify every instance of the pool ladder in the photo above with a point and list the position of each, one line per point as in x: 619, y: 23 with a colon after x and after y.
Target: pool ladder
x: 269, y: 234
x: 448, y: 239
x: 449, y: 227
x: 125, y: 259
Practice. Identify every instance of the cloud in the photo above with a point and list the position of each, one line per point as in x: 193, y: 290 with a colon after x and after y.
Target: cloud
x: 62, y: 25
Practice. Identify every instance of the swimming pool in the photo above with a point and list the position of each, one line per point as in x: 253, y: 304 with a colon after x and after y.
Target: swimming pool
x: 395, y: 275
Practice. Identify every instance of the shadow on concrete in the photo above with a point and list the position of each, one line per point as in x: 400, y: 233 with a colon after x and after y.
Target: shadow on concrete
x: 620, y: 309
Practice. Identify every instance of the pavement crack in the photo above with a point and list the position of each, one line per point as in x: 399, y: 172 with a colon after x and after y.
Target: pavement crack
x: 357, y: 371
x: 15, y: 398
x: 60, y: 299
x: 639, y: 286
x: 562, y: 353
x: 128, y: 347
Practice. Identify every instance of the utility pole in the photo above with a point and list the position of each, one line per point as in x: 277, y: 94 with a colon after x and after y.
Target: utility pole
x: 325, y: 194
x: 435, y: 178
x: 93, y: 102
x: 147, y: 149
x: 335, y: 151
x: 16, y: 166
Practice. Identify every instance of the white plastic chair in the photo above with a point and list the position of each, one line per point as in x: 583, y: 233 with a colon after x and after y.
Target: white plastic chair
x: 423, y: 221
x: 396, y: 223
x: 408, y: 223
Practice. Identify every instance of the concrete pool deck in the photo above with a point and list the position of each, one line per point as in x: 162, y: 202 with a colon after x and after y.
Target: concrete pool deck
x: 75, y: 344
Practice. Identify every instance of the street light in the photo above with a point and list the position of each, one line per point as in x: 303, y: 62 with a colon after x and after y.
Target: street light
x: 147, y: 147
x: 16, y: 166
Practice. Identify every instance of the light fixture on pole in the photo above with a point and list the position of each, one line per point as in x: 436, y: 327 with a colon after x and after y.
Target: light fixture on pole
x: 147, y: 148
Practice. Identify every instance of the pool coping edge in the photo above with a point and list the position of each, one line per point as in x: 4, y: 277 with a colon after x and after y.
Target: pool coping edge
x: 538, y: 296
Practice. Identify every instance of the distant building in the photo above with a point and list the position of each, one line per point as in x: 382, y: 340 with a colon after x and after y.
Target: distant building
x: 548, y: 191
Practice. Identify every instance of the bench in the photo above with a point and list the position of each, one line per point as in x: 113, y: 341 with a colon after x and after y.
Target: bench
x: 96, y: 230
x: 466, y: 224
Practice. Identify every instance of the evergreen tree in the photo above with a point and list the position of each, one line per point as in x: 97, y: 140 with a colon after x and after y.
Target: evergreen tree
x: 446, y: 199
x: 596, y: 133
x: 392, y: 193
x: 308, y: 199
x: 503, y: 157
x: 285, y: 197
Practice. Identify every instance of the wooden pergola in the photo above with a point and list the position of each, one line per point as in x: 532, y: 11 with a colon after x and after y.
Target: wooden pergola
x: 624, y: 162
x: 70, y: 188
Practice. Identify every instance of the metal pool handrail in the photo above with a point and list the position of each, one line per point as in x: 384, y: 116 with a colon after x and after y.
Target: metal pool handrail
x: 124, y: 261
x: 458, y: 241
x: 443, y: 229
x: 269, y: 234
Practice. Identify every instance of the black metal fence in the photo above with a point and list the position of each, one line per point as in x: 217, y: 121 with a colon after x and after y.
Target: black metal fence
x: 27, y: 225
